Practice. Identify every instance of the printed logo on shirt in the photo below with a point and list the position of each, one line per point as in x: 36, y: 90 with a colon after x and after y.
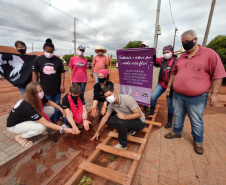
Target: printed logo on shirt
x: 48, y: 70
x: 18, y: 103
x: 35, y: 116
x: 80, y: 64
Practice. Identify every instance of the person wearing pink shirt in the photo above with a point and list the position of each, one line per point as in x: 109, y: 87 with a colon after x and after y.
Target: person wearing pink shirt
x: 77, y: 69
x: 197, y: 71
x: 99, y: 62
x: 166, y: 64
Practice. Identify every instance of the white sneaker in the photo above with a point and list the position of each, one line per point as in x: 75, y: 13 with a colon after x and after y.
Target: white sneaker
x: 131, y: 133
x: 119, y: 146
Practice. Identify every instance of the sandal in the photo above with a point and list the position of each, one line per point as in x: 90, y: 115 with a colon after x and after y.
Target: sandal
x: 23, y: 142
x: 45, y: 133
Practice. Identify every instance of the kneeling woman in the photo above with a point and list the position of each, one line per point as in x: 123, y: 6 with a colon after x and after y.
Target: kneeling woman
x: 28, y: 117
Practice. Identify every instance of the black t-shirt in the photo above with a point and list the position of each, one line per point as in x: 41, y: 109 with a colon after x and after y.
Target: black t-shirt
x: 50, y: 73
x: 98, y: 91
x: 66, y: 104
x: 23, y: 111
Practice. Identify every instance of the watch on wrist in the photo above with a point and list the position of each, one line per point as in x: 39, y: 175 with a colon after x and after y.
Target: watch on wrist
x: 62, y: 128
x: 84, y: 119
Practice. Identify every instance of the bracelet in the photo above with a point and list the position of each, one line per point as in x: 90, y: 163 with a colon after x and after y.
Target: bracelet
x: 62, y: 128
x: 84, y: 119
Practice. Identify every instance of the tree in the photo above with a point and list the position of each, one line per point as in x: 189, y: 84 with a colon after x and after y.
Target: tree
x: 133, y: 44
x: 218, y: 44
x: 67, y: 58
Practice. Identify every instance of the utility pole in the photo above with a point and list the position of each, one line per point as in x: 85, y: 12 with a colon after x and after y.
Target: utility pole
x: 174, y: 37
x: 74, y: 36
x: 209, y: 23
x: 157, y: 24
x: 32, y: 48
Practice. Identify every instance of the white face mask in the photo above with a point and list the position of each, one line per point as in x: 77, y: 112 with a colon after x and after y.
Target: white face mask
x: 111, y: 99
x: 167, y: 55
x: 80, y: 53
x: 100, y: 53
x: 48, y: 55
x: 41, y: 95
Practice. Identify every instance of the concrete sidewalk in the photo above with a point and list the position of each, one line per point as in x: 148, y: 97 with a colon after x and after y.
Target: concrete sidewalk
x: 173, y: 161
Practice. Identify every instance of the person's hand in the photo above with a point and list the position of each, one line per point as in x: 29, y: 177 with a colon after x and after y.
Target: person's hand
x: 62, y: 89
x: 96, y: 135
x: 63, y: 112
x: 68, y: 131
x: 213, y: 99
x: 94, y: 111
x: 103, y: 110
x: 86, y: 124
x: 76, y: 130
x: 167, y: 91
x: 121, y: 116
x: 91, y: 75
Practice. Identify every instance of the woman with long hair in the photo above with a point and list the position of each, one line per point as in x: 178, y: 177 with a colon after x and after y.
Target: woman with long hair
x: 28, y: 118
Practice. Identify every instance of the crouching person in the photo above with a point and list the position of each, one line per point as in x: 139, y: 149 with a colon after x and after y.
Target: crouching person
x: 74, y: 106
x: 128, y: 120
x: 28, y: 117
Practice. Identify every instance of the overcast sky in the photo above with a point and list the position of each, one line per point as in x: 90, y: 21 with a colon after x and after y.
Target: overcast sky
x: 111, y: 23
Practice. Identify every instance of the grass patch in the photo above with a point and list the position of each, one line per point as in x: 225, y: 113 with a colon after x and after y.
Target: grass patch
x: 66, y: 67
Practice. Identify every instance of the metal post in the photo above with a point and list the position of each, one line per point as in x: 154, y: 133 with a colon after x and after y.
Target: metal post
x: 74, y: 36
x: 174, y: 37
x: 209, y: 23
x: 157, y: 24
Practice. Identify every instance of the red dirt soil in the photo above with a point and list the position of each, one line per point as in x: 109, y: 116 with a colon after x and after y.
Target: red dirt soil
x: 37, y: 164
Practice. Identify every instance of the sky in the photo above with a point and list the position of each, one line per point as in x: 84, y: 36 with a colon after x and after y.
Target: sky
x: 108, y: 23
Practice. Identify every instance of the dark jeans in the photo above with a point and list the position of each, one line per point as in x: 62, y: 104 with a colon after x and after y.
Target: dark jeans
x: 56, y: 99
x: 123, y: 126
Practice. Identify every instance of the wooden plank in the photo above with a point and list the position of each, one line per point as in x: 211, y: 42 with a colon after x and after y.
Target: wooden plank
x: 145, y: 130
x: 151, y: 116
x: 129, y: 138
x: 153, y: 122
x: 119, y: 152
x: 106, y: 173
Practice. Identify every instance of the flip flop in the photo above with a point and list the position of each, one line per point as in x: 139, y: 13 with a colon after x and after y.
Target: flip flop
x: 23, y: 142
x: 44, y: 133
x: 28, y: 144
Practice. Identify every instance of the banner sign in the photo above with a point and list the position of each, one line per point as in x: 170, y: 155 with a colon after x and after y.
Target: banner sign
x: 135, y: 73
x: 16, y: 68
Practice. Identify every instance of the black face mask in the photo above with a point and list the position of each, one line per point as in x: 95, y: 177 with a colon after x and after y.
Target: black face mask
x: 188, y: 45
x: 101, y: 80
x: 22, y: 51
x: 74, y: 98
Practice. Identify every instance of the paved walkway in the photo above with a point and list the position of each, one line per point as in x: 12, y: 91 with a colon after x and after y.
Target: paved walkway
x: 175, y: 162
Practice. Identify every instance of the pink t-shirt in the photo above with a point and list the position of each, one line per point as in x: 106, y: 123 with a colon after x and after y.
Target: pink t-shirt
x: 193, y: 76
x: 79, y: 66
x: 99, y: 62
x: 166, y: 71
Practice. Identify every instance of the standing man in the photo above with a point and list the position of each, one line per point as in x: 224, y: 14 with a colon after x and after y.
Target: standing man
x: 99, y: 62
x: 197, y: 71
x: 129, y: 117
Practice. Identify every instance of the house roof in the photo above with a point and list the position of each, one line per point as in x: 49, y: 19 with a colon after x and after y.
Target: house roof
x: 8, y: 49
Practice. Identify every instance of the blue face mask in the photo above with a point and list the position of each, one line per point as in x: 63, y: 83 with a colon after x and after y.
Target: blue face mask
x: 188, y: 45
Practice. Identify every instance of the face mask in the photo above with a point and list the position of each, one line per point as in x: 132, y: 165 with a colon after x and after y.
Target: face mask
x: 101, y: 80
x: 188, y: 45
x: 48, y: 55
x: 80, y: 53
x: 100, y: 53
x: 167, y: 55
x: 41, y: 95
x: 111, y: 99
x: 22, y: 51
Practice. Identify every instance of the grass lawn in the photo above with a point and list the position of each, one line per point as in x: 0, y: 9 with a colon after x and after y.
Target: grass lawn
x: 66, y: 67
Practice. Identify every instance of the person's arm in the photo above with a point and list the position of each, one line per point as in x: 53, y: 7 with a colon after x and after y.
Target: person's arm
x: 169, y: 84
x: 53, y: 104
x: 70, y: 73
x: 71, y: 121
x: 48, y: 124
x: 135, y: 115
x: 94, y: 108
x: 102, y: 122
x: 104, y: 108
x: 84, y: 116
x: 214, y: 92
x: 34, y: 76
x: 62, y: 88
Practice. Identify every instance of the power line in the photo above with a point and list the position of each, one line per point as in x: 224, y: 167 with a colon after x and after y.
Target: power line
x: 172, y: 14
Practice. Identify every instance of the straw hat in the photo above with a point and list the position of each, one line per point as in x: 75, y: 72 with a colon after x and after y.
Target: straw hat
x: 100, y: 48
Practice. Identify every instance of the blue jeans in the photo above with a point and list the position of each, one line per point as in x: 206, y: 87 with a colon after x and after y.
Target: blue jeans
x: 82, y: 85
x: 157, y: 93
x: 55, y: 98
x: 194, y: 106
x: 22, y: 90
x: 67, y: 122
